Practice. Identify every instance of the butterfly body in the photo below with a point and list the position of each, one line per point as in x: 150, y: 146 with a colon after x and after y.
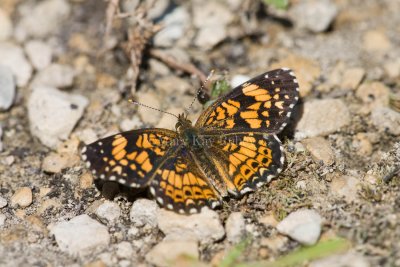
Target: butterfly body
x: 232, y: 148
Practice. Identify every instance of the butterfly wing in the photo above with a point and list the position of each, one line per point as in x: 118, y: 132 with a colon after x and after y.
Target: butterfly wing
x: 179, y: 184
x: 248, y: 160
x: 130, y: 157
x: 263, y: 104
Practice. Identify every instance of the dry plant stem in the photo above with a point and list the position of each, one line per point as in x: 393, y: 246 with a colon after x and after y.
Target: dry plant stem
x: 173, y: 63
x: 111, y: 12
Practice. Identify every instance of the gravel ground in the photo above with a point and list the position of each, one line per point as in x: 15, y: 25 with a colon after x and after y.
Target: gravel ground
x: 64, y: 82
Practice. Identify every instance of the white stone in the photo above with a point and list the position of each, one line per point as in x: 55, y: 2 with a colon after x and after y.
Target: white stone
x: 303, y: 225
x: 124, y: 250
x: 6, y: 26
x: 80, y: 236
x: 322, y: 117
x: 53, y: 114
x: 204, y: 226
x: 55, y: 75
x: 3, y: 202
x: 348, y: 259
x: 175, y: 25
x: 238, y: 80
x: 167, y: 252
x: 386, y: 120
x: 7, y: 88
x: 109, y: 211
x: 39, y: 53
x: 144, y: 212
x: 208, y: 37
x: 42, y: 19
x: 235, y: 227
x: 12, y: 56
x: 2, y: 220
x: 314, y: 15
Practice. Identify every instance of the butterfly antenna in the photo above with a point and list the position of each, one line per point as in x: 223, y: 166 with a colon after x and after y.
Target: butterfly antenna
x: 198, y: 91
x: 143, y: 105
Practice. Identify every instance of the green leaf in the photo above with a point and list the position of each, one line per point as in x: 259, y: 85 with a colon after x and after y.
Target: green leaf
x: 281, y: 4
x: 219, y: 88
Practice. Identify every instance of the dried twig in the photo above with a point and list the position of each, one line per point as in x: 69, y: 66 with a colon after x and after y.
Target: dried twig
x: 174, y: 63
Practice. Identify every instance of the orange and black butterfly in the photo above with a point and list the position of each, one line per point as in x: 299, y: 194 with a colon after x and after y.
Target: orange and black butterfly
x: 233, y: 147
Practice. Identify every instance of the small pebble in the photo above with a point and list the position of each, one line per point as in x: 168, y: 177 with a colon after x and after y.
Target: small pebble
x: 46, y: 106
x: 235, y: 227
x: 386, y: 120
x: 303, y: 225
x: 315, y: 16
x: 204, y: 226
x: 22, y: 197
x: 322, y: 117
x: 124, y: 250
x: 2, y: 217
x: 86, y: 180
x: 55, y: 75
x: 374, y: 94
x: 320, y: 149
x: 39, y: 53
x: 7, y: 88
x: 268, y: 220
x: 376, y: 41
x: 80, y: 236
x: 3, y: 202
x: 55, y: 163
x: 175, y: 26
x: 42, y: 19
x: 6, y: 26
x: 352, y: 78
x: 348, y: 259
x: 345, y: 186
x: 109, y: 211
x: 144, y: 212
x: 167, y: 252
x: 12, y: 56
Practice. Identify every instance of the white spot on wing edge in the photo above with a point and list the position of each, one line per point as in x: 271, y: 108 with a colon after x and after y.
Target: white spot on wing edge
x: 102, y: 176
x: 169, y: 206
x: 84, y: 157
x: 266, y: 76
x: 160, y: 200
x: 83, y: 149
x: 285, y: 69
x: 246, y: 190
x: 192, y: 211
x: 215, y: 204
x: 121, y: 181
x: 152, y: 191
x: 112, y: 178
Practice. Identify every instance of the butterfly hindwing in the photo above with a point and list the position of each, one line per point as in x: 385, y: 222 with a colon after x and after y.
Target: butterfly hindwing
x: 179, y: 185
x: 128, y: 157
x: 249, y: 159
x: 263, y: 104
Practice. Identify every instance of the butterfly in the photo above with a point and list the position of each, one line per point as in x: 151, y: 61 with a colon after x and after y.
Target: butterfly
x: 232, y: 149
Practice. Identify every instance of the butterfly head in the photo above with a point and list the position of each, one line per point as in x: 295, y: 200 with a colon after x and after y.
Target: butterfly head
x: 183, y: 123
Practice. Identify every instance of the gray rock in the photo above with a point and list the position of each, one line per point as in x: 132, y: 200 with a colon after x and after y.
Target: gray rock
x: 7, y: 88
x: 6, y: 26
x: 315, y: 15
x: 2, y: 220
x: 55, y: 75
x: 175, y: 25
x: 144, y: 212
x: 204, y: 226
x: 235, y: 227
x: 53, y: 114
x: 42, y: 19
x: 211, y: 19
x: 303, y: 225
x: 39, y: 53
x: 109, y: 211
x: 3, y: 202
x: 322, y: 117
x: 349, y: 259
x: 162, y: 254
x: 12, y: 56
x: 80, y: 236
x: 386, y: 120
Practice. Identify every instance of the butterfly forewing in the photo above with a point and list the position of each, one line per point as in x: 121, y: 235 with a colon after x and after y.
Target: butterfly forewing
x: 263, y: 104
x: 129, y: 157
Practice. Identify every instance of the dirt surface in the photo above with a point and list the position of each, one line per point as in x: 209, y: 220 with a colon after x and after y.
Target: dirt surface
x: 338, y: 170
